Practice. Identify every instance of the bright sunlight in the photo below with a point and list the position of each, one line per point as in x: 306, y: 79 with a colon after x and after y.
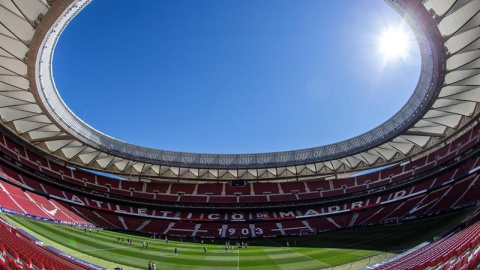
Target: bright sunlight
x: 395, y: 43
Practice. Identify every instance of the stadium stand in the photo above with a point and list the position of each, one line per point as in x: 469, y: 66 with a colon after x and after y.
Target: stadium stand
x: 141, y: 189
x: 13, y: 198
x: 20, y: 252
x: 124, y: 215
x: 436, y: 170
x: 441, y: 181
x: 460, y: 250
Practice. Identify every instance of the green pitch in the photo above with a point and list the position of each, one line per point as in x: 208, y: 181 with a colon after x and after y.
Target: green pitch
x: 351, y: 248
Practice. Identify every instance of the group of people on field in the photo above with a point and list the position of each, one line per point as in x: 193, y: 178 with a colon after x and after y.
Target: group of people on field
x: 239, y: 245
x: 152, y: 266
x: 129, y: 241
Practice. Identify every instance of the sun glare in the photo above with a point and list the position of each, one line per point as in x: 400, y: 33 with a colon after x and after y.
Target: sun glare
x: 395, y: 43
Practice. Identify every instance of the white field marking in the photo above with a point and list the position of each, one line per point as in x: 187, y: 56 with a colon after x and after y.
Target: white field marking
x: 103, y: 249
x: 119, y: 248
x: 299, y: 253
x: 238, y: 259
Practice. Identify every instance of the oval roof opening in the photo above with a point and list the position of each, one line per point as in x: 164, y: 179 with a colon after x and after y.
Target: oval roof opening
x: 234, y: 76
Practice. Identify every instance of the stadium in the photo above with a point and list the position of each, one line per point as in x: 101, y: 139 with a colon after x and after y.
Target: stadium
x: 403, y: 195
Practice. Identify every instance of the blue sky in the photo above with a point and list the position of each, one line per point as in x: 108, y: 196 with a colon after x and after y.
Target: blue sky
x: 232, y: 76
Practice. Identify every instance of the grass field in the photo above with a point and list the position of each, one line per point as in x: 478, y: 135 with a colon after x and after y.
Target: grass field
x: 308, y: 252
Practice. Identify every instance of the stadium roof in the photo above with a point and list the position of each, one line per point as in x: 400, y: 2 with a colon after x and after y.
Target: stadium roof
x: 445, y: 99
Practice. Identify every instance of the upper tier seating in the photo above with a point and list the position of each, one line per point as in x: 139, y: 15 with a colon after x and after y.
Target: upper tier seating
x: 280, y: 193
x: 271, y: 191
x: 211, y: 189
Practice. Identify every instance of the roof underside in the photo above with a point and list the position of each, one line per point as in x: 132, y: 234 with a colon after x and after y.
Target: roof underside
x: 25, y: 24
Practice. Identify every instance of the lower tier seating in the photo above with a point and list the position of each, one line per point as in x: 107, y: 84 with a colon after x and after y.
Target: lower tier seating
x: 20, y: 252
x: 405, y: 203
x: 433, y: 195
x: 14, y: 198
x: 458, y: 251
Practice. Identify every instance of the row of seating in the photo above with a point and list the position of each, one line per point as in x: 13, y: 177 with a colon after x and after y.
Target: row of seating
x: 10, y: 264
x: 449, y: 190
x: 256, y: 191
x: 464, y: 191
x: 31, y: 255
x: 18, y: 200
x: 35, y: 184
x: 427, y: 183
x: 396, y: 205
x: 14, y: 198
x: 458, y: 251
x: 207, y: 229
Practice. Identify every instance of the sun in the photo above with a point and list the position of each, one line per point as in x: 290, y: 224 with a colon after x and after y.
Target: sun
x: 394, y: 43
